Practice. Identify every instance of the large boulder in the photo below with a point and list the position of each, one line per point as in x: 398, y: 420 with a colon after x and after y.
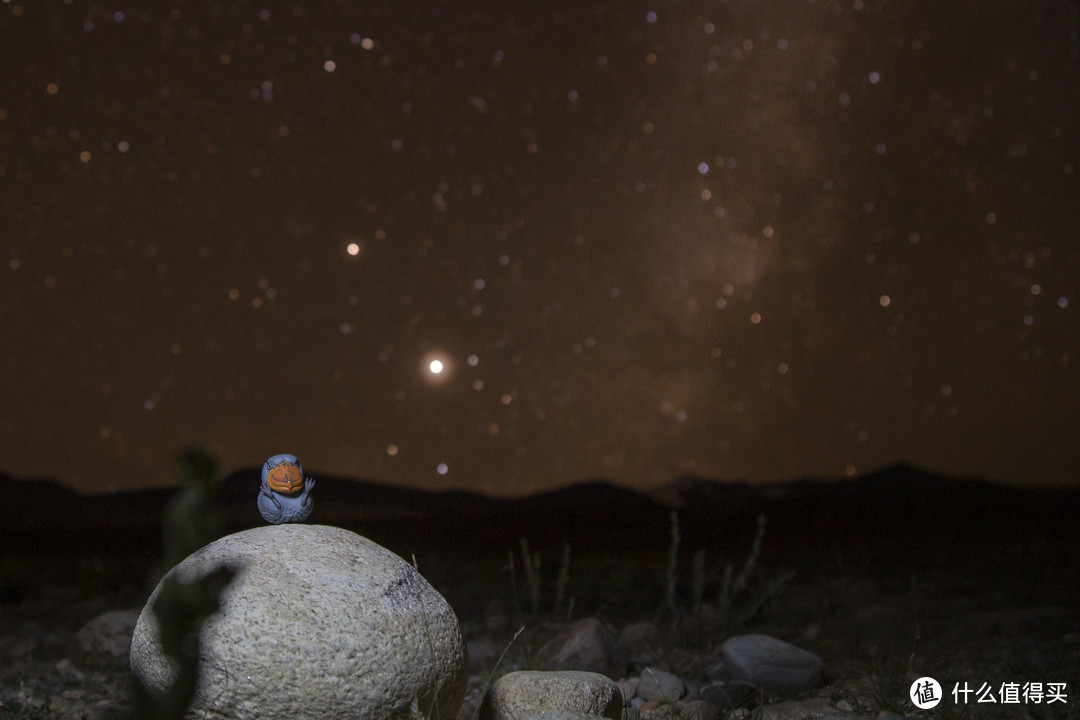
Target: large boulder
x: 318, y: 622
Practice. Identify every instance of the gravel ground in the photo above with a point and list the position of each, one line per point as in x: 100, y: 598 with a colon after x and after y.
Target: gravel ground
x: 879, y: 619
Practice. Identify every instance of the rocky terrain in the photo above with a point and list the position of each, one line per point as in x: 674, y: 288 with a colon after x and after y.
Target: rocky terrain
x: 884, y: 580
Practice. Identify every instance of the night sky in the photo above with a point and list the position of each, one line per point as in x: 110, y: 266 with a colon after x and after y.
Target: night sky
x: 735, y: 239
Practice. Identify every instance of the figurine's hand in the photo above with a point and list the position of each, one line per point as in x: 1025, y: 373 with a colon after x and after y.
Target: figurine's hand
x: 270, y: 494
x: 309, y: 485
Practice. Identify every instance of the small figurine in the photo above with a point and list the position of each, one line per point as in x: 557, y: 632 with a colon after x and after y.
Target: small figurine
x: 280, y: 496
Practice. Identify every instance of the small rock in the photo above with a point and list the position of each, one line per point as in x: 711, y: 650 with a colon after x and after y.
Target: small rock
x: 638, y: 633
x: 107, y: 634
x: 628, y: 688
x: 69, y: 672
x: 772, y: 664
x: 589, y: 646
x: 665, y: 711
x: 698, y: 710
x: 318, y: 622
x: 656, y: 684
x: 528, y: 693
x: 845, y: 706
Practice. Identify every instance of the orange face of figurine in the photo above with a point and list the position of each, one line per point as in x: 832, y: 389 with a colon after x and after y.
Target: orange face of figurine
x: 285, y: 478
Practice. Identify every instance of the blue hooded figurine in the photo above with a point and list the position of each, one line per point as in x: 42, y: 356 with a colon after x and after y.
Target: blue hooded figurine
x: 285, y: 494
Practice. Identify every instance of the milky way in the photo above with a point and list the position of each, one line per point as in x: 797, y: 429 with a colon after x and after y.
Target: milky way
x: 739, y: 240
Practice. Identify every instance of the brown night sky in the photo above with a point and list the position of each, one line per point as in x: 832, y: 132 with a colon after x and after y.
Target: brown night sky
x: 737, y: 239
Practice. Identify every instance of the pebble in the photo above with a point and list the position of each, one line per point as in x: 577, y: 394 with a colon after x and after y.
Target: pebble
x: 656, y: 684
x: 529, y: 693
x: 665, y: 711
x: 587, y: 645
x: 318, y: 622
x: 698, y: 710
x: 69, y: 672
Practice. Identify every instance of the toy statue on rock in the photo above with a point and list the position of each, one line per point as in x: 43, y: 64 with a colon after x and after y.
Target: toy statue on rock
x: 285, y: 494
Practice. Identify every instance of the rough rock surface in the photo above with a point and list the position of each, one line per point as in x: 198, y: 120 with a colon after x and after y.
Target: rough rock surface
x: 699, y: 710
x: 656, y: 684
x: 588, y: 645
x: 108, y: 634
x: 772, y: 664
x: 529, y: 693
x: 318, y: 622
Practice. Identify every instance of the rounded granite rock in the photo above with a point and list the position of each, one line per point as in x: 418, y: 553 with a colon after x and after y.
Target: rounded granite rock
x: 318, y: 623
x: 529, y: 694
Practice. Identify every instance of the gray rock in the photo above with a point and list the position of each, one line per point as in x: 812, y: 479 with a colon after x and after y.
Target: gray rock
x: 528, y: 693
x: 588, y: 645
x: 772, y: 664
x: 665, y: 711
x: 657, y: 684
x: 698, y: 710
x: 318, y: 623
x: 107, y: 634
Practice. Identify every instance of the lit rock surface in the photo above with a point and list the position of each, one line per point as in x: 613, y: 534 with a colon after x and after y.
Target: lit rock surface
x: 772, y: 664
x: 655, y: 684
x: 318, y: 623
x: 531, y: 693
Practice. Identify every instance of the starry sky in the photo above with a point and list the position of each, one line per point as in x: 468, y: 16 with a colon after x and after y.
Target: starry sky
x: 507, y: 246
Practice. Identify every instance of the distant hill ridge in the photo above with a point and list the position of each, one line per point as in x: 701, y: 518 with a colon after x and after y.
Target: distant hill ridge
x: 39, y: 504
x: 900, y: 505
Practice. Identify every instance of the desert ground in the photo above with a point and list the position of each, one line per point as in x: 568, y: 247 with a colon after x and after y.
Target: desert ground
x: 886, y: 583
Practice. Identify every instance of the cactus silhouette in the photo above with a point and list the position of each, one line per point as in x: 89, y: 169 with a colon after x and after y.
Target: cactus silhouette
x: 191, y: 520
